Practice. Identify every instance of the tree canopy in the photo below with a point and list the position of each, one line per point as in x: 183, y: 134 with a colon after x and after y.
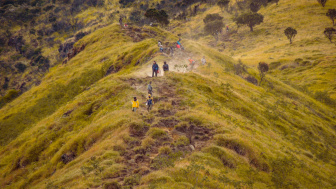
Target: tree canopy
x: 329, y: 33
x: 250, y: 19
x: 290, y: 33
x: 322, y: 2
x: 213, y: 24
x: 332, y: 15
x: 157, y: 15
x: 212, y: 17
x: 223, y: 3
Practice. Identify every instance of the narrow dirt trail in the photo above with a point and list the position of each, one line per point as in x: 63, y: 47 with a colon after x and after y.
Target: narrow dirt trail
x: 177, y: 63
x: 140, y: 159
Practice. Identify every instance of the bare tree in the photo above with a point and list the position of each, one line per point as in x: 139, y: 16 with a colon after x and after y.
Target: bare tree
x: 290, y: 33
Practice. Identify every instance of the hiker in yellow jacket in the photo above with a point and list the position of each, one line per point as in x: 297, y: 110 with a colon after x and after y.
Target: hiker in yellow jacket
x: 135, y: 104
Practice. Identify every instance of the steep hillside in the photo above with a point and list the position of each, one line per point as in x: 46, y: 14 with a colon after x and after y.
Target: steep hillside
x: 307, y: 64
x: 209, y: 128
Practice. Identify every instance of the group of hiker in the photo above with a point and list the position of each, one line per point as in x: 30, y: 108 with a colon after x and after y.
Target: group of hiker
x: 149, y: 101
x: 156, y: 69
x: 171, y: 49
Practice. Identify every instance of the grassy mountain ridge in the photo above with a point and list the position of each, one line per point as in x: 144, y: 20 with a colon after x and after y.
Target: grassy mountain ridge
x: 243, y: 135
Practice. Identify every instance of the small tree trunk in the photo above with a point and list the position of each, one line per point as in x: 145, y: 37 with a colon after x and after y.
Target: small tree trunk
x: 290, y: 40
x: 251, y: 28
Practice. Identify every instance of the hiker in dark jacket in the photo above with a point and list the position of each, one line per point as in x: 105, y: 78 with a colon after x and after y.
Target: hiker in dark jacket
x: 155, y: 69
x: 165, y: 66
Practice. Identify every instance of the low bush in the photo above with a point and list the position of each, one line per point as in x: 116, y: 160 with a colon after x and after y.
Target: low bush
x: 138, y: 129
x: 252, y: 80
x: 148, y: 143
x: 112, y: 185
x: 165, y: 150
x: 157, y: 133
x: 20, y: 67
x: 182, y: 141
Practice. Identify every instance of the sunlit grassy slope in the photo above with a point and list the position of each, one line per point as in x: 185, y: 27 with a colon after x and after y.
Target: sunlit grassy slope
x: 308, y: 63
x: 242, y: 135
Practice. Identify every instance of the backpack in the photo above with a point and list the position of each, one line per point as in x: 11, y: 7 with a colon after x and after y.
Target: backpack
x: 149, y: 101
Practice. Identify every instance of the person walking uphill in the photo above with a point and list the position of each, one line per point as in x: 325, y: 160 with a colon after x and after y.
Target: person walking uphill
x: 155, y: 69
x: 149, y: 102
x: 150, y: 89
x: 165, y: 66
x: 135, y: 104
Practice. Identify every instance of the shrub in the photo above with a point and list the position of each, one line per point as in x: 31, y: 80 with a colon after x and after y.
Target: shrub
x: 79, y: 35
x: 132, y: 180
x: 11, y: 94
x: 332, y: 15
x: 322, y: 2
x: 223, y: 3
x: 263, y: 68
x: 148, y: 143
x: 182, y: 141
x: 138, y: 129
x: 252, y: 80
x: 20, y: 67
x: 214, y: 28
x: 290, y: 33
x: 165, y: 150
x: 212, y: 17
x: 239, y: 68
x: 112, y: 185
x: 157, y: 133
x: 329, y: 33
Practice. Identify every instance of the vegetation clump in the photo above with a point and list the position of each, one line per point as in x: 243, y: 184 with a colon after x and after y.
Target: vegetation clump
x: 290, y: 33
x: 332, y: 15
x: 213, y: 25
x: 157, y: 133
x: 263, y: 68
x: 329, y: 33
x: 322, y: 2
x: 250, y: 19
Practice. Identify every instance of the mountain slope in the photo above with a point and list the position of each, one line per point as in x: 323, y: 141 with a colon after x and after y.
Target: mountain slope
x: 86, y: 135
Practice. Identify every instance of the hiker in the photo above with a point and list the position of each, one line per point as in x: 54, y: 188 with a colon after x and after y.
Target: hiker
x: 178, y: 46
x: 159, y: 44
x: 150, y: 89
x: 203, y: 61
x: 149, y: 102
x: 192, y: 63
x: 165, y: 66
x: 135, y: 104
x: 178, y: 42
x: 161, y: 48
x: 155, y: 69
